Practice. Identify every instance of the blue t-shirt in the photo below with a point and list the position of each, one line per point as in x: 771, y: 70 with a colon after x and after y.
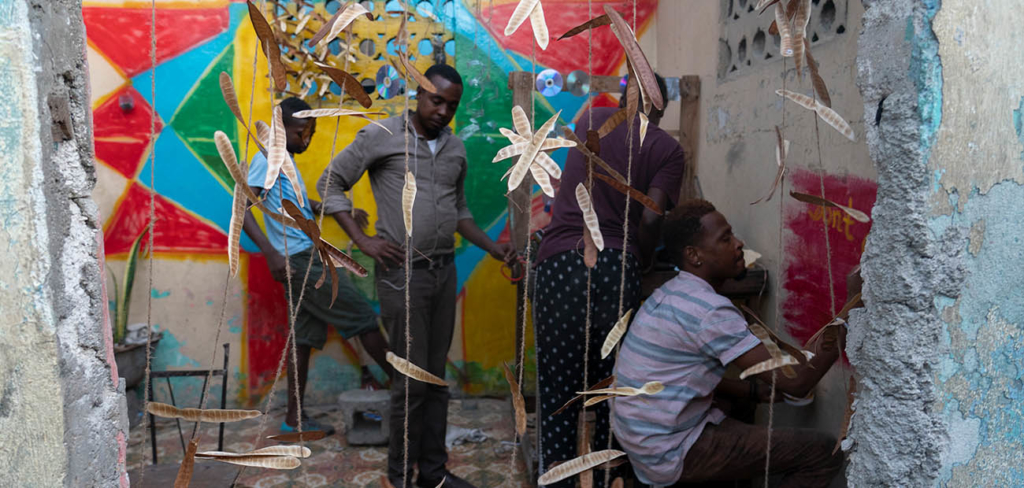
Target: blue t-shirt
x: 297, y: 241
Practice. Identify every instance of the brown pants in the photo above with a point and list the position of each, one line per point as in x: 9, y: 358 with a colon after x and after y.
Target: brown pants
x: 431, y: 326
x: 733, y: 450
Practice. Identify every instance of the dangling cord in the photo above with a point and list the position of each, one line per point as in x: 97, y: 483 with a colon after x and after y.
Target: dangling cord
x: 408, y: 298
x: 152, y: 223
x: 590, y: 190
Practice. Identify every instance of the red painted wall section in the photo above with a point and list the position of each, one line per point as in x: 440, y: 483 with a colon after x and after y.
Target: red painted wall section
x: 806, y: 307
x: 268, y: 325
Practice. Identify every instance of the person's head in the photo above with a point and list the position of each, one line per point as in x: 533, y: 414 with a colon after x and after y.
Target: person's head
x: 655, y: 115
x: 436, y: 110
x: 299, y: 132
x: 700, y: 241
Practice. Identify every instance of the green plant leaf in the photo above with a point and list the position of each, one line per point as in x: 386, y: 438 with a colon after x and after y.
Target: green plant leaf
x: 124, y: 299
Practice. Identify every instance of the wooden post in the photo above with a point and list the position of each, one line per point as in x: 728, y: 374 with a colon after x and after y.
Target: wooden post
x: 689, y: 133
x: 519, y: 212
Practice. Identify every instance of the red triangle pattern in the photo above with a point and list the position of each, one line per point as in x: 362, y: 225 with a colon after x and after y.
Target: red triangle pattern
x: 266, y: 324
x: 177, y: 230
x: 569, y: 54
x: 122, y: 138
x: 123, y: 34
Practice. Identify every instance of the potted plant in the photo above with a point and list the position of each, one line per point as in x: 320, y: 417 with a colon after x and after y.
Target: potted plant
x: 129, y: 340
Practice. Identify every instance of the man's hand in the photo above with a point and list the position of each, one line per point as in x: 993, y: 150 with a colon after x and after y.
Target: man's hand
x: 381, y: 250
x: 278, y: 267
x: 362, y: 218
x: 504, y: 252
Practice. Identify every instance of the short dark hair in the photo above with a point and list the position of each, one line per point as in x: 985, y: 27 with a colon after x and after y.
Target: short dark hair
x: 444, y: 71
x: 661, y: 87
x: 291, y: 105
x: 682, y: 226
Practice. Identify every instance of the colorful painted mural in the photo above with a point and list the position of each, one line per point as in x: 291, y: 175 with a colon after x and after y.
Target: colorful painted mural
x: 196, y: 40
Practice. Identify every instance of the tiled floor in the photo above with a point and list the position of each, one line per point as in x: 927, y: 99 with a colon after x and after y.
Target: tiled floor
x: 335, y: 463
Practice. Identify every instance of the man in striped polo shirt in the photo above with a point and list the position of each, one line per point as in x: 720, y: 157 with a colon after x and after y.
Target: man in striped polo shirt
x: 685, y: 336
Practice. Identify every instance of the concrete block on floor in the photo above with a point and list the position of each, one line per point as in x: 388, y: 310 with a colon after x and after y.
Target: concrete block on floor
x: 361, y: 409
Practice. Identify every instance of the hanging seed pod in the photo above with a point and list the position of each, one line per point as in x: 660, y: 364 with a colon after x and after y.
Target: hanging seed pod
x: 578, y: 465
x: 518, y: 403
x: 589, y: 216
x: 411, y: 370
x: 408, y: 199
x: 615, y: 334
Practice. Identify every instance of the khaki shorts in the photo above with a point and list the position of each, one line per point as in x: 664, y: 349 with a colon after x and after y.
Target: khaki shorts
x: 351, y: 314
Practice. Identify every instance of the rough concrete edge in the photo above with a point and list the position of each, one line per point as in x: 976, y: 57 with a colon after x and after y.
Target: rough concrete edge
x: 95, y: 415
x: 895, y: 341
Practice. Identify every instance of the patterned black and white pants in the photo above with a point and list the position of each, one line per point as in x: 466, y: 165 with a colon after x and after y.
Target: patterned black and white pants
x: 559, y: 318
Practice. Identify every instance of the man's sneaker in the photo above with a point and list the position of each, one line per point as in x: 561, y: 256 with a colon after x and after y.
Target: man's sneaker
x: 450, y: 481
x: 308, y: 424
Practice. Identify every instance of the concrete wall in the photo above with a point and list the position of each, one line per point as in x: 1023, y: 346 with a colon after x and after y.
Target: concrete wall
x: 940, y: 347
x: 736, y: 166
x: 60, y: 410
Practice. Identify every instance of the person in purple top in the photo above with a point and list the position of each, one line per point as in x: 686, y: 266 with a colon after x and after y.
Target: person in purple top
x: 685, y: 336
x: 560, y: 297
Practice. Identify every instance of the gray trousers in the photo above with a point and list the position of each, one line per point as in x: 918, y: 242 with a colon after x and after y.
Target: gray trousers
x: 431, y: 326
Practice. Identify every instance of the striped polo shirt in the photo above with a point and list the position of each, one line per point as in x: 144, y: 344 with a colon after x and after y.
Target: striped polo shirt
x: 684, y: 336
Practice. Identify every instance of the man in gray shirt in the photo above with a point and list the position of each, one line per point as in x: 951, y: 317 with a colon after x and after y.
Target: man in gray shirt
x: 437, y: 159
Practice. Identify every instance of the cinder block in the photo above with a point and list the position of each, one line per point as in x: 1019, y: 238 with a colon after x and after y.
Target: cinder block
x: 360, y: 430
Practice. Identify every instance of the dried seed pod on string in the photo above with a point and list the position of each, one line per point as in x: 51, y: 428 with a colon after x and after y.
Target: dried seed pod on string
x: 649, y: 388
x: 593, y: 142
x: 612, y: 122
x: 773, y: 349
x: 592, y: 158
x: 785, y: 30
x: 268, y: 462
x: 529, y: 154
x: 196, y: 415
x: 543, y: 180
x: 800, y: 19
x: 411, y: 370
x: 262, y: 132
x: 750, y: 257
x: 413, y: 74
x: 781, y: 150
x: 278, y: 160
x: 632, y: 192
x: 235, y: 227
x: 521, y: 143
x: 280, y: 450
x: 518, y: 403
x: 594, y: 23
x: 305, y: 436
x: 777, y: 342
x: 408, y: 199
x: 816, y: 79
x: 529, y: 9
x: 338, y: 22
x: 825, y: 113
x: 768, y: 365
x: 268, y: 39
x: 578, y: 465
x: 347, y: 82
x: 589, y: 249
x: 597, y: 399
x: 600, y: 384
x: 589, y: 216
x: 340, y: 112
x: 636, y: 57
x: 188, y: 464
x: 822, y: 202
x: 340, y: 259
x: 614, y: 335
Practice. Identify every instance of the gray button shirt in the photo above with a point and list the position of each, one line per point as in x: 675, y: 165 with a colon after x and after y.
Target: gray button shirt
x: 440, y: 200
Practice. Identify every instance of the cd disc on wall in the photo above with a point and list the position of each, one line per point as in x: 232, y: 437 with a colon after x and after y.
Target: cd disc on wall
x: 387, y: 82
x: 578, y: 83
x: 549, y: 83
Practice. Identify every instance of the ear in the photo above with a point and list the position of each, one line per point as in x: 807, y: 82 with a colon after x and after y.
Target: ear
x: 692, y: 256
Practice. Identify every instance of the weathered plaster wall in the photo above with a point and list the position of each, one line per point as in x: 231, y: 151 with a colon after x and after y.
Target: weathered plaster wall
x: 736, y: 166
x: 60, y: 410
x: 939, y: 346
x: 978, y: 165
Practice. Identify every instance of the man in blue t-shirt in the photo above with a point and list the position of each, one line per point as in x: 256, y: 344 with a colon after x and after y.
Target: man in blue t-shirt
x: 351, y: 314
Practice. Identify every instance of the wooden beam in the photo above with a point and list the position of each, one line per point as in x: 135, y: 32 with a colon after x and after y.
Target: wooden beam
x: 689, y: 133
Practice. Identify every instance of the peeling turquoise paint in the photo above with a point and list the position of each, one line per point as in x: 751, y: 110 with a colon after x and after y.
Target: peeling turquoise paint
x: 159, y: 294
x: 981, y: 378
x: 926, y: 72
